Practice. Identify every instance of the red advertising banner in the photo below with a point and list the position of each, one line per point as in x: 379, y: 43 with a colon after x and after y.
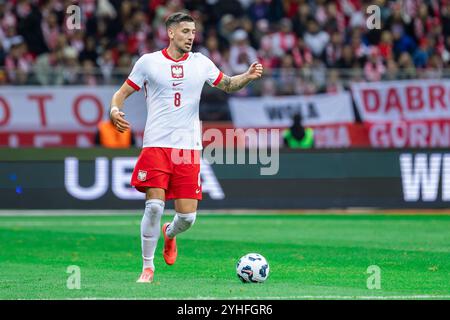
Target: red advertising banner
x: 62, y: 109
x: 409, y: 113
x: 406, y: 100
x: 414, y: 134
x: 326, y: 136
x: 397, y: 114
x: 68, y: 116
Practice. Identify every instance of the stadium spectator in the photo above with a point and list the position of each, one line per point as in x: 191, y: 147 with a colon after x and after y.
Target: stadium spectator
x: 258, y: 10
x: 300, y: 20
x: 406, y: 66
x: 227, y: 25
x: 247, y: 25
x: 347, y: 59
x: 434, y: 67
x: 124, y: 64
x: 316, y: 39
x: 302, y: 55
x: 107, y: 64
x: 422, y: 54
x: 71, y: 67
x: 391, y: 70
x: 445, y: 54
x: 106, y: 9
x: 297, y: 136
x: 76, y: 40
x: 9, y: 36
x: 242, y: 55
x: 88, y: 74
x: 269, y: 87
x: 290, y: 8
x: 402, y: 41
x: 374, y: 67
x: 107, y: 136
x: 89, y: 51
x: 51, y: 30
x: 48, y: 68
x: 385, y: 45
x: 212, y: 50
x: 19, y: 62
x: 335, y: 18
x: 284, y: 39
x: 286, y: 76
x: 414, y: 39
x: 334, y: 84
x: 319, y: 74
x: 260, y: 31
x: 304, y: 86
x: 267, y: 57
x: 359, y: 48
x: 333, y: 50
x: 423, y: 22
x: 445, y: 18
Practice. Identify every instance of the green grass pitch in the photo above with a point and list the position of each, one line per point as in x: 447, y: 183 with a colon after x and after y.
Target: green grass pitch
x: 310, y: 257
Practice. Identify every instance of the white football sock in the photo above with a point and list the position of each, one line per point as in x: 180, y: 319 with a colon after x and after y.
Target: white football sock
x: 181, y: 222
x: 150, y: 230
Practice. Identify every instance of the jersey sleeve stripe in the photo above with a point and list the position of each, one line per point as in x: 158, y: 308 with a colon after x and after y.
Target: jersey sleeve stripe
x: 133, y: 85
x: 219, y: 77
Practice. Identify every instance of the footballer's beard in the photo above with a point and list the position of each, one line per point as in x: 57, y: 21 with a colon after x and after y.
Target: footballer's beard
x: 184, y: 48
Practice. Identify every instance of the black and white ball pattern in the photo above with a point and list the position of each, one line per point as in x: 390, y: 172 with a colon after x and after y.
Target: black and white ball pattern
x: 252, y: 267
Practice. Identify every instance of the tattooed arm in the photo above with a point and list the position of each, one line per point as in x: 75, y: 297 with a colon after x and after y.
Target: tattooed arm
x: 236, y: 83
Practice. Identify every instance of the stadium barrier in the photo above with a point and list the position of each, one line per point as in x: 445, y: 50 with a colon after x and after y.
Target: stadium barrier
x: 99, y: 179
x: 390, y: 114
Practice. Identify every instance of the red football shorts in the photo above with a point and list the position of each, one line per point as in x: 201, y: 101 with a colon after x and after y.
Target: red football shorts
x: 175, y: 170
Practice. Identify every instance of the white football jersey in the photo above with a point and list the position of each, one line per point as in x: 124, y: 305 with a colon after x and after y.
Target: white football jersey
x: 172, y: 91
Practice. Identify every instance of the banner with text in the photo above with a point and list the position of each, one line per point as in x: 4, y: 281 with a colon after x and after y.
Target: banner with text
x: 403, y: 100
x: 269, y: 112
x: 71, y: 108
x: 100, y: 179
x: 409, y: 113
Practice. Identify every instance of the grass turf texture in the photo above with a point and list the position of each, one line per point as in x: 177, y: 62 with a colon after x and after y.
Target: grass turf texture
x: 310, y: 256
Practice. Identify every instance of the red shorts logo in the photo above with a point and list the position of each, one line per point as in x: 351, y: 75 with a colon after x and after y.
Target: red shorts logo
x: 142, y: 175
x: 155, y: 169
x: 177, y: 71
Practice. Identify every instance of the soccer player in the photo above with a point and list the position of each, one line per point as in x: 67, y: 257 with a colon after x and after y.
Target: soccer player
x: 168, y: 166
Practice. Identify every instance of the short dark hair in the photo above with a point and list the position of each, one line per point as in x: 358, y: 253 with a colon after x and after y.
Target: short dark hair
x: 178, y: 17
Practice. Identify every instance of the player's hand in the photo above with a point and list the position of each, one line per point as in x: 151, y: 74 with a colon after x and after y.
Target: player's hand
x: 255, y: 71
x: 117, y: 117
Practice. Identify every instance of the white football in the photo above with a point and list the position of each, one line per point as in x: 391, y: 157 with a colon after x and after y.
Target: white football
x: 252, y: 267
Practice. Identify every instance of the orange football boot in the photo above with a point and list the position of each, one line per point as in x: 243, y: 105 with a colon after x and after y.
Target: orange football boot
x: 146, y: 276
x: 170, y: 247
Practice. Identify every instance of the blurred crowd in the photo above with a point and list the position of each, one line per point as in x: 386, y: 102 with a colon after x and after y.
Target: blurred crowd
x: 306, y: 46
